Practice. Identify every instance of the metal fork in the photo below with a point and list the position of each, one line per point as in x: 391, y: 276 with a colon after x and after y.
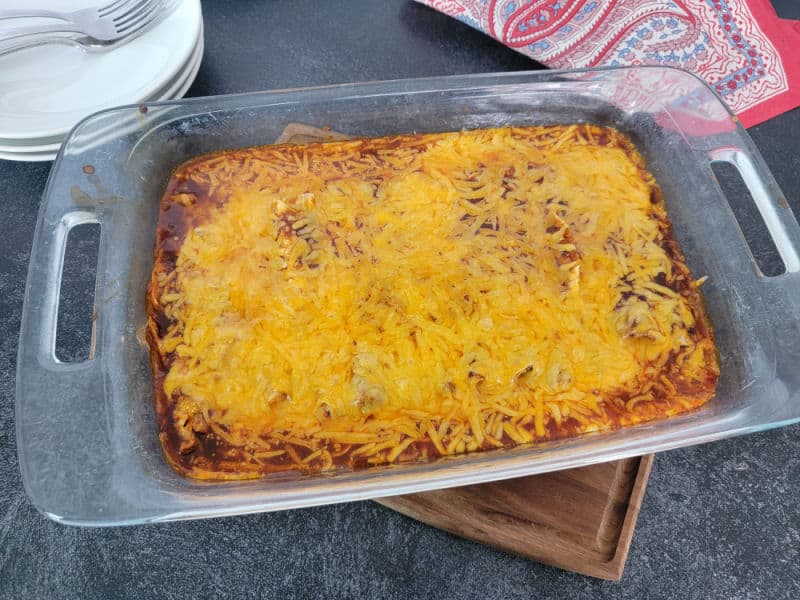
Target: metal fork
x: 74, y: 16
x: 99, y: 28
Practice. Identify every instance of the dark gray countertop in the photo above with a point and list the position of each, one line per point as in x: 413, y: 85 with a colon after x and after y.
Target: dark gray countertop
x: 720, y: 520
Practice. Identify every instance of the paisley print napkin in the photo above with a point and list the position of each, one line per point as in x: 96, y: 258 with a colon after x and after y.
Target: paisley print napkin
x: 740, y: 47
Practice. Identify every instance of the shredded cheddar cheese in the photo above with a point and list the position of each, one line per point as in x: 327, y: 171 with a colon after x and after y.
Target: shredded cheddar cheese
x: 362, y: 302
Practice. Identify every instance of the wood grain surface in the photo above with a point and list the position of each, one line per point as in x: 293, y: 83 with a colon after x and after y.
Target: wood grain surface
x: 580, y: 519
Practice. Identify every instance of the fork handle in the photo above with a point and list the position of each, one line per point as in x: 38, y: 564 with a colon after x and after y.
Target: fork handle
x: 9, y: 46
x: 19, y: 32
x: 18, y: 13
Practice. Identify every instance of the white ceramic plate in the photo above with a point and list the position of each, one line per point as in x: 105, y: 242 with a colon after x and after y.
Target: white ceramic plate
x: 28, y: 156
x: 175, y: 89
x: 44, y: 91
x: 33, y: 143
x: 169, y: 91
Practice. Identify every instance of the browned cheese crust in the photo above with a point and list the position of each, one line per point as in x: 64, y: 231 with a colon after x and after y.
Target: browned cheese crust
x: 355, y: 303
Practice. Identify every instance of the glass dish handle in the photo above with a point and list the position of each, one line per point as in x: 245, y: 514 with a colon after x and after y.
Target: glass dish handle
x: 46, y: 326
x: 60, y: 439
x: 40, y: 373
x: 771, y: 203
x: 781, y: 292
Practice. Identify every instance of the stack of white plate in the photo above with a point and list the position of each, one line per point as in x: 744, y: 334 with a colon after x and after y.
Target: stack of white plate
x: 46, y: 90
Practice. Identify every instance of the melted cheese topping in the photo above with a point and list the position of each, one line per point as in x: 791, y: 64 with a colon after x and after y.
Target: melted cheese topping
x: 423, y: 295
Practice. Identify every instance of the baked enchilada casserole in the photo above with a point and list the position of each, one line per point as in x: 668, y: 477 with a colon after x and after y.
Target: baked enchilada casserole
x: 354, y: 303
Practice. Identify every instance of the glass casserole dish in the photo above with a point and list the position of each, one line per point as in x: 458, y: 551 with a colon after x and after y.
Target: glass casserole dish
x: 88, y: 446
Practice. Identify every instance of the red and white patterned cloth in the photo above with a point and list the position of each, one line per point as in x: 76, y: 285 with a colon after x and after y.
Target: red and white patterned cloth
x: 740, y: 47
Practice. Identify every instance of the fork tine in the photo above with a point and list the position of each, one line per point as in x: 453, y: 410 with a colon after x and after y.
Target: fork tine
x: 142, y: 12
x: 154, y: 13
x: 127, y: 8
x: 106, y: 10
x: 142, y: 6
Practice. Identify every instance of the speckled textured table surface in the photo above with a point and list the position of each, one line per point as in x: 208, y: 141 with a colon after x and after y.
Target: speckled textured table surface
x: 718, y: 521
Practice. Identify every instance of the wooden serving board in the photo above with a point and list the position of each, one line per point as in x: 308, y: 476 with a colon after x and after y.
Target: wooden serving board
x: 581, y: 519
